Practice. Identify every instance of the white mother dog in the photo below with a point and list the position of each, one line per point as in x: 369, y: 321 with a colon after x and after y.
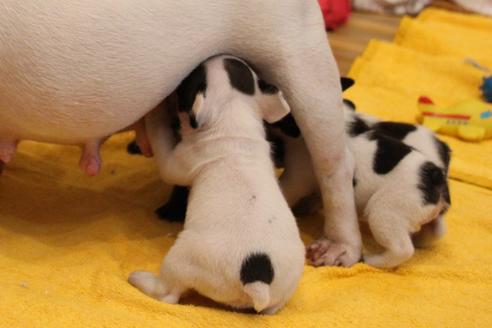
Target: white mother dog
x: 76, y: 71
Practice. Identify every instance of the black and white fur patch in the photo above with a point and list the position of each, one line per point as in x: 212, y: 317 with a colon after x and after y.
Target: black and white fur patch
x: 240, y: 76
x: 257, y: 267
x: 357, y: 127
x: 389, y: 152
x: 188, y: 90
x: 267, y: 88
x: 432, y: 183
x: 346, y: 83
x: 394, y: 130
x: 350, y: 104
x: 444, y: 152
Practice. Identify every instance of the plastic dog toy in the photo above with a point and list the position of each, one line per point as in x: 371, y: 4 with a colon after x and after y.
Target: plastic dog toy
x: 470, y: 120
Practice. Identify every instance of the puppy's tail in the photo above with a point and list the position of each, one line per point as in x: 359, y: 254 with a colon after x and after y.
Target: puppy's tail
x: 256, y: 276
x: 259, y: 293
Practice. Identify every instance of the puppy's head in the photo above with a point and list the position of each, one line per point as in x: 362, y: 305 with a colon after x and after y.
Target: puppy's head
x: 204, y: 93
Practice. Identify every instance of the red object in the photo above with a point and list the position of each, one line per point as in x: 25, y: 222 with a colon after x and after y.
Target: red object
x: 335, y: 12
x: 452, y: 116
x: 425, y: 100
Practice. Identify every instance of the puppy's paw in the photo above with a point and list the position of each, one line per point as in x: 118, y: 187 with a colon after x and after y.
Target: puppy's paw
x: 324, y: 252
x: 151, y: 285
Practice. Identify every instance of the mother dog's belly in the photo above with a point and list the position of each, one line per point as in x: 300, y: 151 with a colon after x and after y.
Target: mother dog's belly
x: 72, y: 71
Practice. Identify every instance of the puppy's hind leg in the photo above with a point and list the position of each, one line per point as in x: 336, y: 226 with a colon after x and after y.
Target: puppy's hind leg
x: 163, y: 143
x: 389, y: 227
x: 153, y: 286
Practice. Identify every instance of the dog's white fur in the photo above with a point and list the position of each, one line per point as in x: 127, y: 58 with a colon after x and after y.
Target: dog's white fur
x: 391, y: 204
x: 398, y: 7
x: 236, y: 207
x: 76, y: 71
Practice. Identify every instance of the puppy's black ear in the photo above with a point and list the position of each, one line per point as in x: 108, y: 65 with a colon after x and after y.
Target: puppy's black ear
x: 191, y: 93
x: 346, y: 83
x: 272, y: 102
x: 350, y: 104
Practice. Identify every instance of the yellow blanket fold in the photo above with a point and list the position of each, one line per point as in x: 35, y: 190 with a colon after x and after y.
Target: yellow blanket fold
x: 446, y: 39
x: 69, y: 242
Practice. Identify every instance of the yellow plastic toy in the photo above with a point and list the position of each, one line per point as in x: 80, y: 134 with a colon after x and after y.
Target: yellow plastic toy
x: 470, y: 120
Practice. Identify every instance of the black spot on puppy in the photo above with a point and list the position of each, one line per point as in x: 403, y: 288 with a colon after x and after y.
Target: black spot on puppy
x: 257, y: 267
x: 349, y: 104
x: 357, y: 127
x: 432, y: 183
x: 240, y: 76
x: 133, y: 149
x: 394, y: 130
x: 389, y: 152
x: 176, y: 127
x: 175, y: 208
x: 190, y: 87
x: 193, y: 84
x: 444, y: 152
x: 445, y: 194
x: 346, y: 83
x: 288, y: 126
x: 267, y: 88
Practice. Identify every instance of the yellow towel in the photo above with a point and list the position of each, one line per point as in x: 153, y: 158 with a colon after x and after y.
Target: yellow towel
x: 446, y: 39
x: 427, y: 59
x: 68, y: 243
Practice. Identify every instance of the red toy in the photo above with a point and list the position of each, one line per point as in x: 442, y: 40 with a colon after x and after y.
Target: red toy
x: 335, y: 12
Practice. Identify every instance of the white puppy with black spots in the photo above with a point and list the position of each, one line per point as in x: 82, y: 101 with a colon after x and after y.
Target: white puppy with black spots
x: 240, y: 245
x: 400, y: 183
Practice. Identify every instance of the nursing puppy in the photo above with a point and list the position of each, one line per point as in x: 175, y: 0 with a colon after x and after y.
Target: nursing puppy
x: 400, y: 182
x: 240, y: 245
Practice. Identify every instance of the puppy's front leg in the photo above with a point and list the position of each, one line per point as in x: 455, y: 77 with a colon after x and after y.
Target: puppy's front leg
x: 159, y: 129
